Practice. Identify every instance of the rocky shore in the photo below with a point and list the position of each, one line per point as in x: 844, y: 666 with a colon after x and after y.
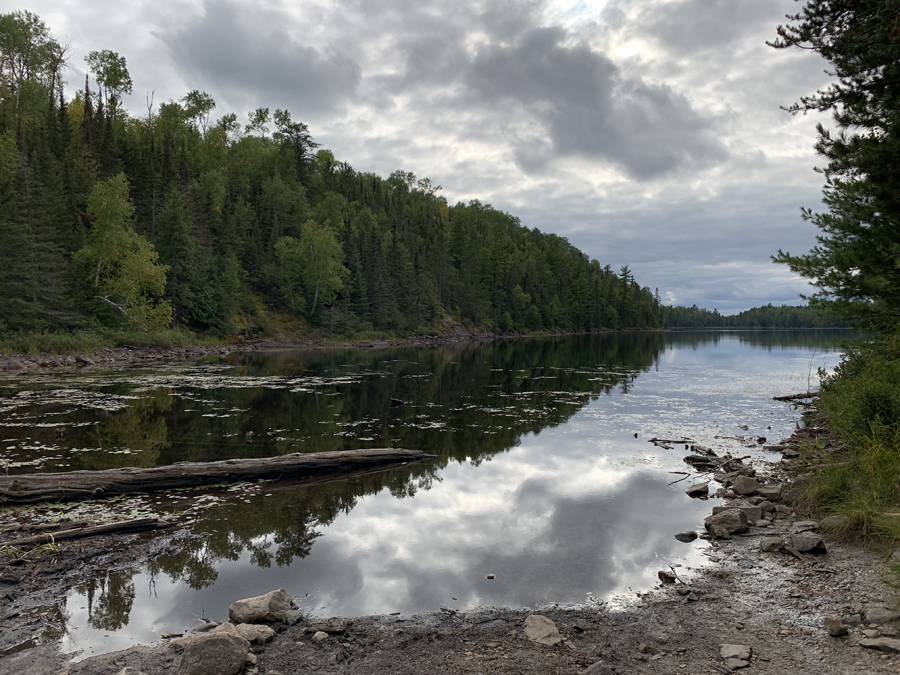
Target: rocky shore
x: 779, y: 596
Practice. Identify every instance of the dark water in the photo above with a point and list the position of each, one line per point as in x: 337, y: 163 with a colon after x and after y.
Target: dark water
x: 539, y: 478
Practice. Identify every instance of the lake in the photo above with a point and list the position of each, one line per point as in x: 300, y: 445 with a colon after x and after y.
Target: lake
x: 544, y: 475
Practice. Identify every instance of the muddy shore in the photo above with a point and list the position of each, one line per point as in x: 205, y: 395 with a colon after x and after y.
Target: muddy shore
x: 774, y: 603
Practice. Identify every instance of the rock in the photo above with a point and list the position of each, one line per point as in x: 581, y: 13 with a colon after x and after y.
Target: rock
x: 687, y: 536
x: 771, y: 492
x: 808, y: 543
x: 15, y: 364
x: 895, y: 557
x: 599, y: 668
x: 753, y: 513
x: 804, y: 526
x: 733, y: 521
x: 718, y: 532
x: 248, y: 631
x: 881, y: 615
x: 292, y: 616
x: 791, y: 493
x: 269, y: 607
x: 741, y: 652
x: 835, y: 626
x: 83, y: 360
x: 736, y: 664
x: 698, y: 490
x: 221, y: 654
x: 128, y: 670
x: 770, y: 544
x: 832, y: 523
x: 744, y: 485
x: 320, y: 635
x: 882, y: 644
x: 870, y: 633
x: 667, y: 577
x: 783, y: 510
x: 852, y: 620
x: 789, y: 453
x: 763, y: 523
x: 542, y: 630
x: 251, y: 660
x: 766, y: 506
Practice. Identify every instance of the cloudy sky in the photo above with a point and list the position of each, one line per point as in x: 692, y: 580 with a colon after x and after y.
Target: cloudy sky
x: 648, y: 132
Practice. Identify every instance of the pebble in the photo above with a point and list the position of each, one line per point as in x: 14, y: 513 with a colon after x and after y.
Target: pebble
x: 835, y: 626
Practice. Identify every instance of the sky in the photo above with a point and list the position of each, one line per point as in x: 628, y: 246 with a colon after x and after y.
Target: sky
x: 648, y: 132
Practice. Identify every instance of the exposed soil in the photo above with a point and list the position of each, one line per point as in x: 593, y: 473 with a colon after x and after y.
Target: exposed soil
x: 773, y: 603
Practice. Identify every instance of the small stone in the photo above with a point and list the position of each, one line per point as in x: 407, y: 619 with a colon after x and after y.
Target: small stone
x: 742, y: 652
x: 852, y: 620
x: 490, y: 576
x: 128, y: 670
x: 599, y: 668
x: 808, y: 543
x: 718, y: 532
x: 895, y: 557
x: 881, y: 615
x: 783, y: 510
x: 771, y: 492
x: 766, y: 506
x: 250, y: 632
x: 292, y: 616
x: 692, y: 597
x: 542, y: 630
x: 882, y: 644
x: 835, y: 626
x: 667, y: 577
x: 698, y: 490
x: 736, y: 664
x: 870, y: 633
x: 319, y: 635
x: 763, y: 523
x: 802, y: 526
x: 251, y: 659
x: 687, y: 536
x: 770, y: 544
x: 744, y: 485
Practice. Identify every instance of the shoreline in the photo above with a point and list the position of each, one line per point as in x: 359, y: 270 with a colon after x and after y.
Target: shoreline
x: 774, y: 602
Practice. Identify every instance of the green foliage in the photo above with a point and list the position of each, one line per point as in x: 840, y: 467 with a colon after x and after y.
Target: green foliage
x: 767, y: 316
x: 119, y: 265
x: 854, y: 264
x: 252, y: 223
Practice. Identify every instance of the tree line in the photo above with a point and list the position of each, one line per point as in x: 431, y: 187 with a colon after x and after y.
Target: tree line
x: 176, y: 219
x: 767, y: 316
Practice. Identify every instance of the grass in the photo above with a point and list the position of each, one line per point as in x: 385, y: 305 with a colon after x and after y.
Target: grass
x: 861, y: 406
x: 83, y: 342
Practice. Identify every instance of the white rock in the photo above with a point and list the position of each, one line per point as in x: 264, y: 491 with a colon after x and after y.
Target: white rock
x: 269, y: 607
x: 742, y: 652
x: 542, y: 630
x: 320, y: 635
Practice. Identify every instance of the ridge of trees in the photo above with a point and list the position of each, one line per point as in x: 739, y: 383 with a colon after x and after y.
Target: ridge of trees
x: 767, y: 316
x: 175, y: 219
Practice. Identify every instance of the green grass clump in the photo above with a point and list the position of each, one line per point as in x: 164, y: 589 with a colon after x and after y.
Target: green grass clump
x: 82, y: 342
x: 861, y: 404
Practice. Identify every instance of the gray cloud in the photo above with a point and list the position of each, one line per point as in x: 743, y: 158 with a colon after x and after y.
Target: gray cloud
x: 227, y: 47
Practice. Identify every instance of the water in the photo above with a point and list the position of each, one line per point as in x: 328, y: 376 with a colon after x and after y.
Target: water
x: 544, y: 477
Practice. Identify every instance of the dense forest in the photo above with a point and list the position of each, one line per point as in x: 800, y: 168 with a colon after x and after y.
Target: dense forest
x: 177, y: 219
x: 767, y: 316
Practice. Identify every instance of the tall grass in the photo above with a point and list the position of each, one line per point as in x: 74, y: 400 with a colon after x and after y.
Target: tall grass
x: 861, y: 405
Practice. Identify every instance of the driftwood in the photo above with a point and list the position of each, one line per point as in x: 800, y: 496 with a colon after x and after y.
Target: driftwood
x: 122, y: 527
x: 76, y: 485
x: 796, y: 397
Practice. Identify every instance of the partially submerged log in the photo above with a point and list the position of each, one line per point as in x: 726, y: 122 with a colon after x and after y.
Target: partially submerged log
x: 121, y: 527
x: 76, y: 485
x: 796, y: 397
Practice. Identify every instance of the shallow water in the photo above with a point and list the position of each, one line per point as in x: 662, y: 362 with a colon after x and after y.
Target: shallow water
x: 544, y: 478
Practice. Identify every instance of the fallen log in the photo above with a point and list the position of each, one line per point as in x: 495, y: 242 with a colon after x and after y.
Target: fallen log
x: 796, y: 397
x: 77, y: 485
x: 121, y: 527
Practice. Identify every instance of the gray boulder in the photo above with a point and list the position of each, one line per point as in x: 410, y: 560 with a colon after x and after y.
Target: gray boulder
x: 732, y: 521
x: 698, y: 490
x: 221, y: 654
x: 745, y: 485
x: 687, y: 536
x: 770, y: 544
x: 882, y: 644
x: 881, y: 615
x: 835, y: 626
x: 771, y: 492
x: 753, y: 513
x: 808, y: 543
x: 269, y: 607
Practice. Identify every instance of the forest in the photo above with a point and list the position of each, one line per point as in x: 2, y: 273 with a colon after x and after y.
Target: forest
x: 178, y: 219
x: 767, y: 316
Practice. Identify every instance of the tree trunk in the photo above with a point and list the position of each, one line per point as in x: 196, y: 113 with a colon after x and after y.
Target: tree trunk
x: 76, y: 485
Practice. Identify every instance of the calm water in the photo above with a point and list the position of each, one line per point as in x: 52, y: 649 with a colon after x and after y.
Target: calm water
x: 540, y: 479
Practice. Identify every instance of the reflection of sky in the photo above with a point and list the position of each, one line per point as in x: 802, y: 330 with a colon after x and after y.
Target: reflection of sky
x: 576, y: 509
